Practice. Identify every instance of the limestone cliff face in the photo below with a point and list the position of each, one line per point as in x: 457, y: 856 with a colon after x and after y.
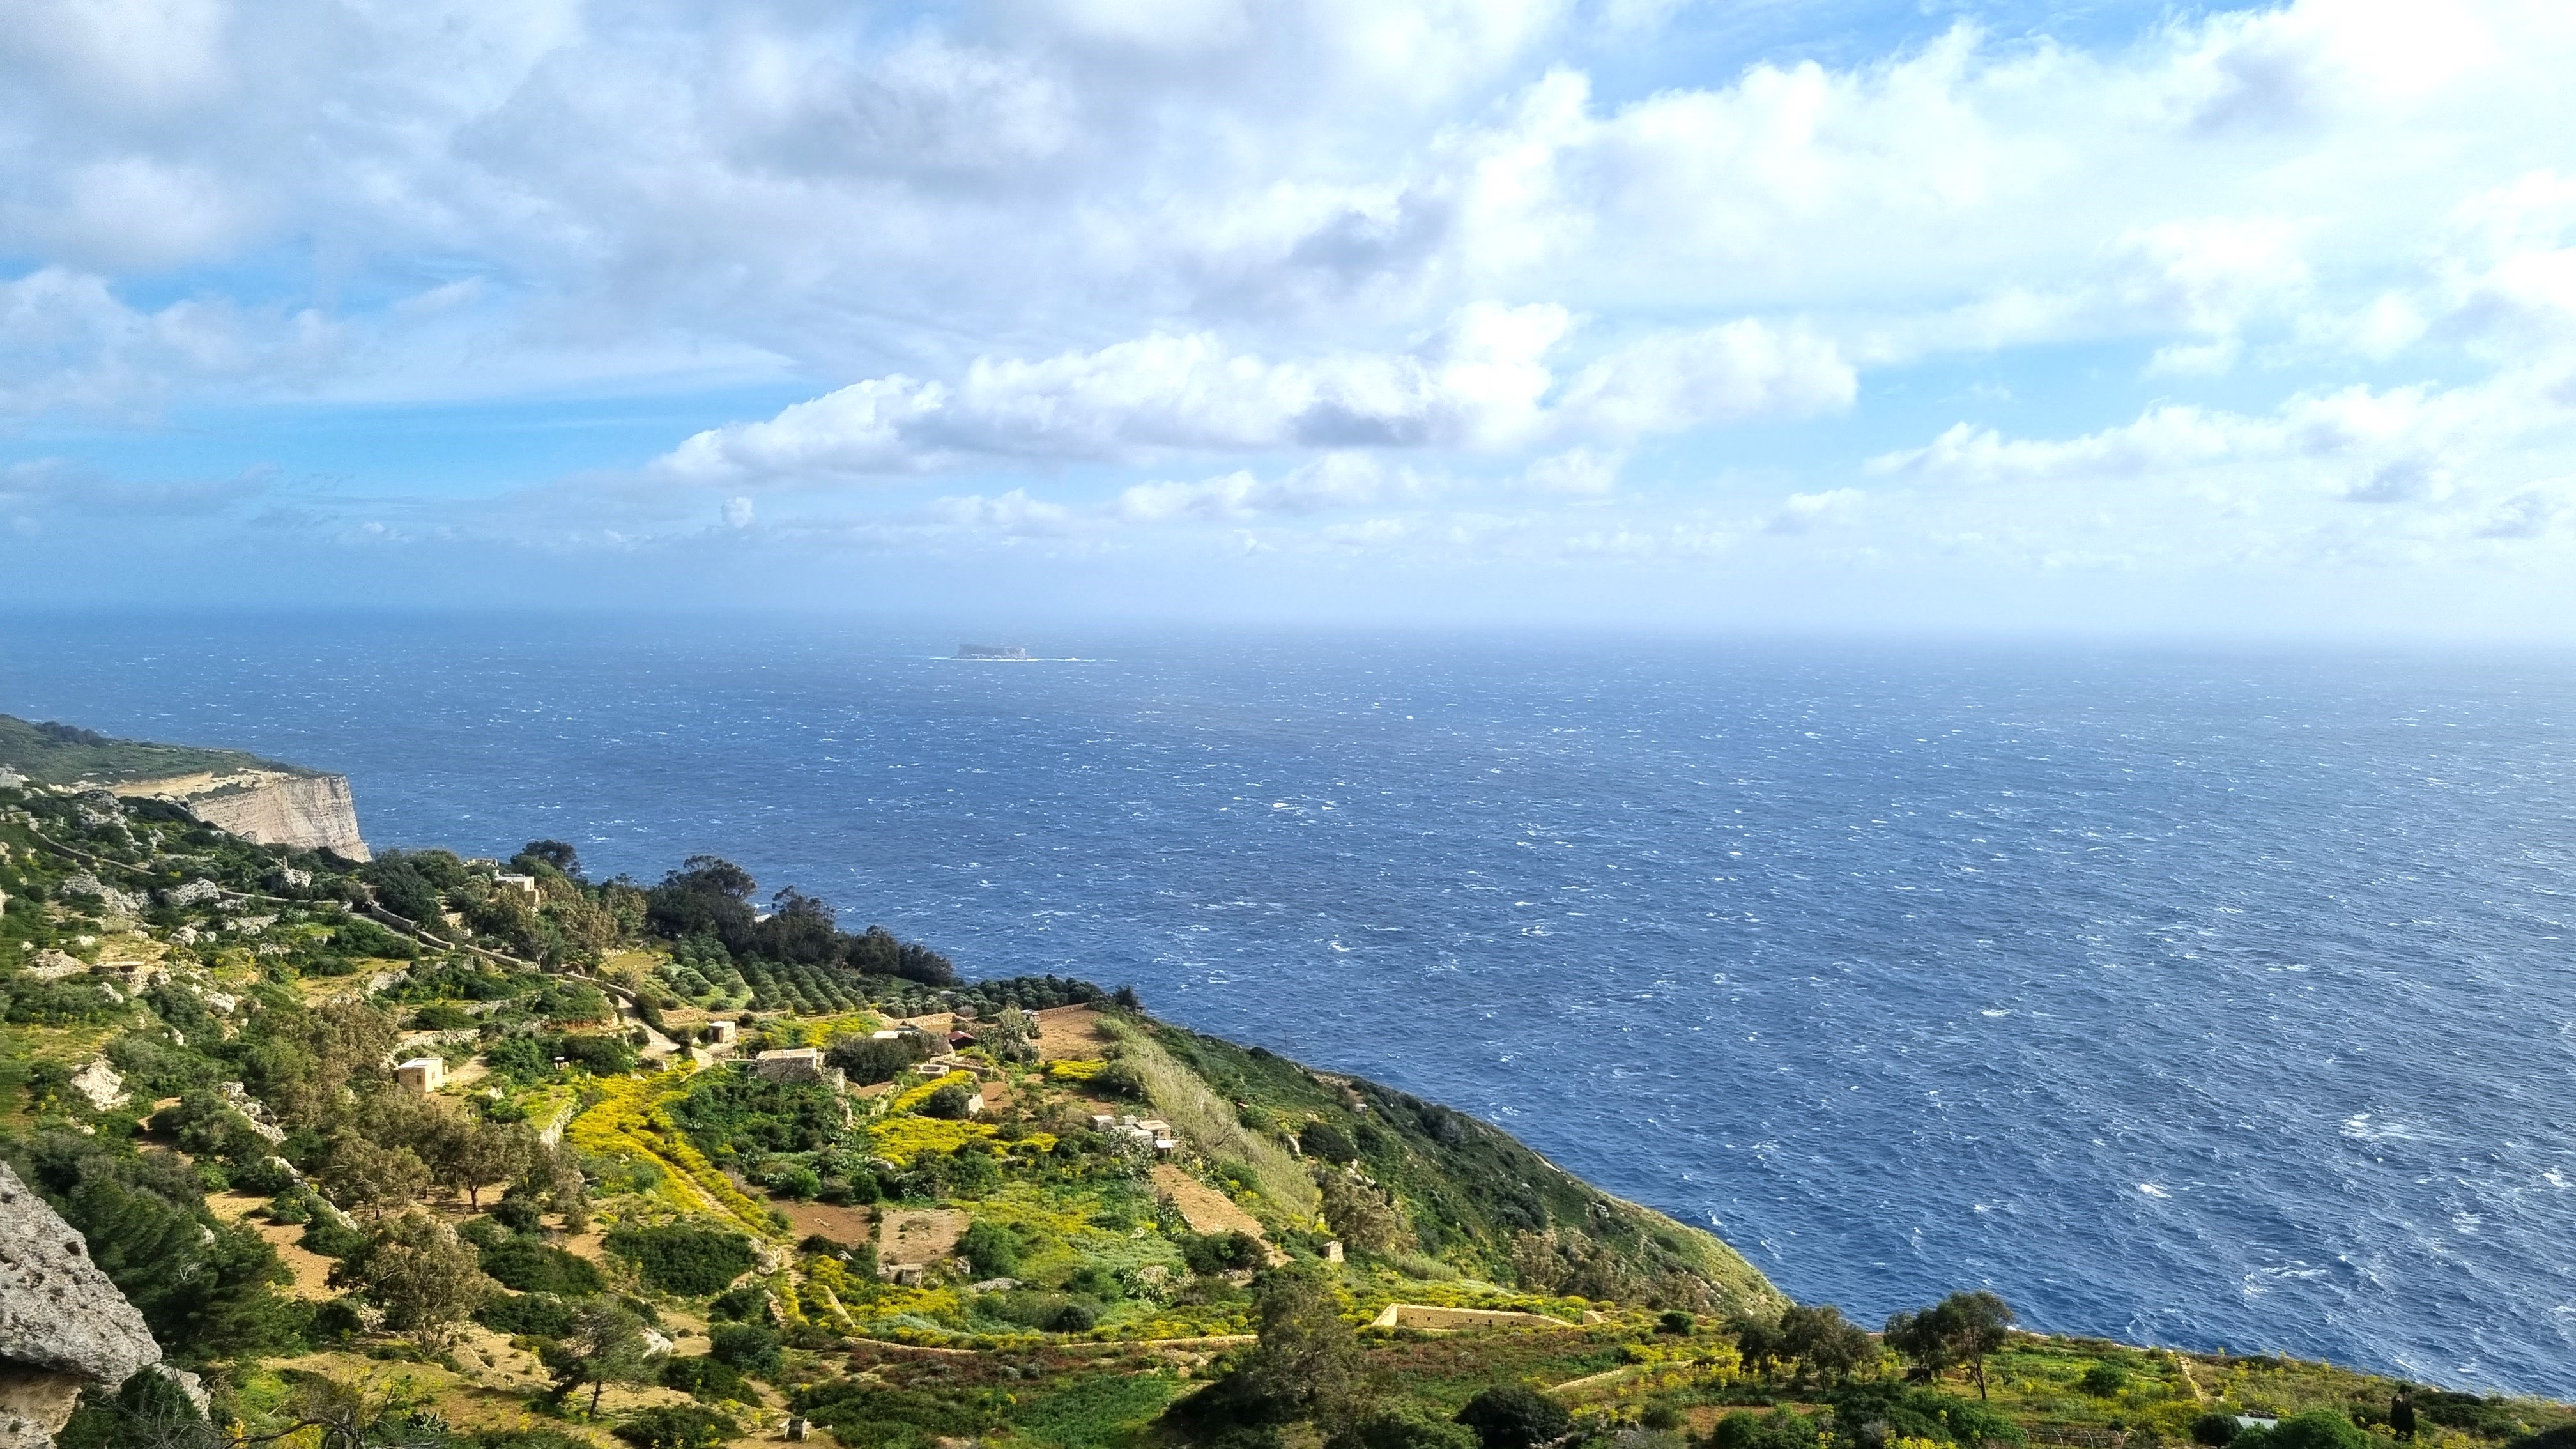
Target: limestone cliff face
x: 272, y: 807
x: 63, y: 1325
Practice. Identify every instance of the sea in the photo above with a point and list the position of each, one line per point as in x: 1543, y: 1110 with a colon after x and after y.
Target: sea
x: 2181, y: 995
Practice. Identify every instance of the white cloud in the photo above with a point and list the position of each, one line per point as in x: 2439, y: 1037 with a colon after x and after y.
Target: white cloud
x: 1480, y: 383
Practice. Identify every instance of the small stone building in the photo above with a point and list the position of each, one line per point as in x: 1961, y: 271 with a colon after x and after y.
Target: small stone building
x: 795, y: 1064
x: 422, y: 1074
x: 721, y: 1033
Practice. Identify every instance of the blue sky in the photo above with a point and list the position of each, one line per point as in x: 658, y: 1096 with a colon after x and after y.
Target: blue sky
x: 1846, y: 315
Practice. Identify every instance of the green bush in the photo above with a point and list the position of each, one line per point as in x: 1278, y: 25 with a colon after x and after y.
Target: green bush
x: 750, y: 1347
x: 689, y: 1262
x: 1779, y: 1429
x: 603, y: 1056
x: 2214, y: 1429
x: 747, y: 1302
x: 538, y: 1315
x: 2315, y: 1429
x: 707, y: 1378
x: 1401, y: 1429
x: 2104, y: 1380
x: 678, y: 1426
x: 1515, y: 1416
x: 1209, y: 1253
x: 1328, y: 1141
x: 331, y: 1240
x: 439, y: 1016
x: 72, y: 1001
x: 530, y: 1265
x: 991, y: 1248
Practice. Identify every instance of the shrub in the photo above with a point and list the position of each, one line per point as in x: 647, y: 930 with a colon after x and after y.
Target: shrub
x: 689, y: 1262
x: 538, y: 1315
x: 1328, y: 1141
x: 746, y: 1302
x: 2214, y: 1429
x: 1401, y: 1429
x: 706, y: 1378
x: 1515, y: 1416
x: 1779, y: 1429
x: 750, y: 1347
x: 1072, y: 1318
x: 439, y: 1016
x: 869, y: 1061
x: 2315, y: 1429
x: 1212, y: 1253
x: 678, y: 1426
x: 949, y: 1103
x: 604, y: 1056
x: 991, y: 1248
x: 530, y: 1266
x: 331, y: 1240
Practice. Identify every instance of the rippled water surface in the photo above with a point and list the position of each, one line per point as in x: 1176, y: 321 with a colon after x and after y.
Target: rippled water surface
x: 2204, y: 999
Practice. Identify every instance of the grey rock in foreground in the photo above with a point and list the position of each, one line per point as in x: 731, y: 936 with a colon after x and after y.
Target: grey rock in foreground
x: 63, y: 1325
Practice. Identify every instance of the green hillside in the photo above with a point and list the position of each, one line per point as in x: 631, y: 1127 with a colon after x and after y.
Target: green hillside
x: 60, y: 754
x: 1015, y: 1211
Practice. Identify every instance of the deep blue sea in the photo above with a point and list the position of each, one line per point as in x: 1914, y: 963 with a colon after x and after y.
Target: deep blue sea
x: 2196, y: 998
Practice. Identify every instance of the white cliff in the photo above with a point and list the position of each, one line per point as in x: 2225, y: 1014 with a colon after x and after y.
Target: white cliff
x: 271, y: 807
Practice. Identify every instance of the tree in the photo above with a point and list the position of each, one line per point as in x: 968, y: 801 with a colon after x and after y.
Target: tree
x: 425, y: 1278
x: 552, y: 1175
x: 555, y: 853
x: 472, y: 1155
x: 1515, y: 1416
x: 1960, y: 1329
x: 1359, y: 1214
x: 1820, y: 1339
x: 1011, y: 1035
x: 606, y: 1346
x: 1308, y: 1360
x: 368, y: 1178
x: 1757, y: 1344
x: 868, y: 1061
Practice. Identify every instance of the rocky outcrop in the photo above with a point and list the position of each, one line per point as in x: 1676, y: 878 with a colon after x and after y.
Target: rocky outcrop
x: 272, y: 807
x: 63, y: 1325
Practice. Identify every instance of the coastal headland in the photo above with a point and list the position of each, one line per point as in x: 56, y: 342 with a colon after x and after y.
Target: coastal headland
x: 488, y: 1153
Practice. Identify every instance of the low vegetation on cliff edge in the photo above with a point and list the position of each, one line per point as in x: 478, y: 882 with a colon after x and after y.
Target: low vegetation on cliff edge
x: 433, y: 1151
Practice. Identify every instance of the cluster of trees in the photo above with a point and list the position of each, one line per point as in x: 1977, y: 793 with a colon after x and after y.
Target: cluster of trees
x: 570, y: 921
x: 710, y: 898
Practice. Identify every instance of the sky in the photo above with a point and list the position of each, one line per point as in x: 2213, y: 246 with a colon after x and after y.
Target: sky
x: 1842, y: 315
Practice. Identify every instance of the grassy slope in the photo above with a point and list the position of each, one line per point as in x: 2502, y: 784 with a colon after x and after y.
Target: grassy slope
x: 1473, y: 1196
x: 1470, y: 1189
x: 56, y: 757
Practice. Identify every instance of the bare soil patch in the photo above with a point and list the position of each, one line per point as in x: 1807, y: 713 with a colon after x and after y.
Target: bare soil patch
x: 842, y: 1224
x: 1069, y: 1032
x: 1206, y: 1209
x: 312, y: 1271
x: 919, y: 1236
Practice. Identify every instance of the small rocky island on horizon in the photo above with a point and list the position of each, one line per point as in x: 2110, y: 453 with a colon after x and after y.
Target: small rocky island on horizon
x: 435, y: 1151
